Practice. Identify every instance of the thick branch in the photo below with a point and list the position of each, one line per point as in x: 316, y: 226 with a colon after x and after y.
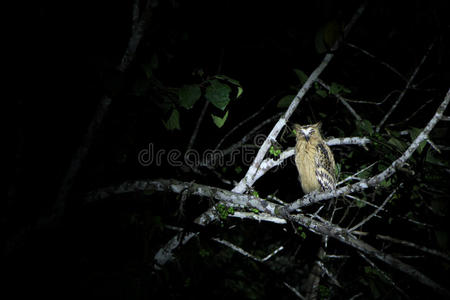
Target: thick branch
x: 248, y: 201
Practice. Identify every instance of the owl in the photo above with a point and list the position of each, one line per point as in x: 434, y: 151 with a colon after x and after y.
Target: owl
x: 314, y: 160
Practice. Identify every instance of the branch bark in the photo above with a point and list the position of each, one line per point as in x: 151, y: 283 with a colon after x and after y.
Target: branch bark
x: 237, y: 200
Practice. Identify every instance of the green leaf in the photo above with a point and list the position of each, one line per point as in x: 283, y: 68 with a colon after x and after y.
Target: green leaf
x: 218, y: 94
x: 336, y: 88
x: 327, y: 35
x: 232, y: 81
x: 219, y: 121
x: 174, y: 121
x: 322, y: 93
x: 400, y: 145
x: 301, y: 75
x: 386, y: 183
x: 188, y: 95
x: 365, y: 126
x: 240, y: 91
x: 285, y: 101
x: 238, y: 169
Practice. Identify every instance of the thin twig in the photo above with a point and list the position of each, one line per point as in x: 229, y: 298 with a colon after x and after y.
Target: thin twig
x: 386, y: 277
x: 197, y: 126
x: 340, y: 98
x: 407, y: 87
x: 412, y: 245
x: 297, y: 293
x: 412, y: 115
x: 375, y: 212
x: 243, y: 122
x: 379, y: 60
x: 205, y: 106
x: 245, y: 253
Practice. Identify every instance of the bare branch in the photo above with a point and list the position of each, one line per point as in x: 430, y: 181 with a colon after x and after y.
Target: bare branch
x: 375, y: 212
x: 297, y: 293
x: 340, y: 98
x: 164, y: 254
x: 388, y: 279
x: 257, y: 217
x: 407, y: 87
x: 342, y: 235
x: 412, y: 245
x: 241, y: 201
x: 245, y: 121
x: 372, y: 102
x: 197, y: 126
x: 136, y: 36
x: 379, y: 60
x: 245, y: 253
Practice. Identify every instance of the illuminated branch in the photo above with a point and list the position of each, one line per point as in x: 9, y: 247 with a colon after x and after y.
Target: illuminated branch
x: 377, y: 179
x: 250, y: 176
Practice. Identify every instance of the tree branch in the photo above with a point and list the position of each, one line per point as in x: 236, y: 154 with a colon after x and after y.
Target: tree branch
x: 407, y: 87
x: 249, y: 177
x: 248, y: 201
x: 375, y: 180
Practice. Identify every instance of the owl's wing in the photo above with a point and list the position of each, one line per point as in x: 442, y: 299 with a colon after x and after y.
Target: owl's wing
x: 325, y: 167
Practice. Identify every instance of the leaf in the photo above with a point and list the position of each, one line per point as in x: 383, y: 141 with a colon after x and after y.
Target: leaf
x: 232, y: 81
x: 336, y: 89
x: 285, y: 101
x: 321, y: 93
x: 400, y: 145
x: 386, y: 183
x: 238, y: 169
x: 218, y: 94
x: 219, y: 121
x: 188, y: 95
x: 327, y: 35
x: 240, y: 91
x: 174, y: 121
x: 365, y: 126
x: 301, y: 75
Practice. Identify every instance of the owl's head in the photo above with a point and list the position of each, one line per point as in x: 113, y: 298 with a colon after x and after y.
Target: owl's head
x: 307, y: 131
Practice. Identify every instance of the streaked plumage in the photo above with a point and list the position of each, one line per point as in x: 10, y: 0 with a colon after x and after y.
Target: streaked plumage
x: 314, y: 160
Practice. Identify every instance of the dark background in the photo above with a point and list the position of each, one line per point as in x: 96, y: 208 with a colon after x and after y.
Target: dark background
x: 66, y: 59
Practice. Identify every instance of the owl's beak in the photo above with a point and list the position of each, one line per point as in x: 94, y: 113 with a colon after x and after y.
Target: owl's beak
x: 306, y: 133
